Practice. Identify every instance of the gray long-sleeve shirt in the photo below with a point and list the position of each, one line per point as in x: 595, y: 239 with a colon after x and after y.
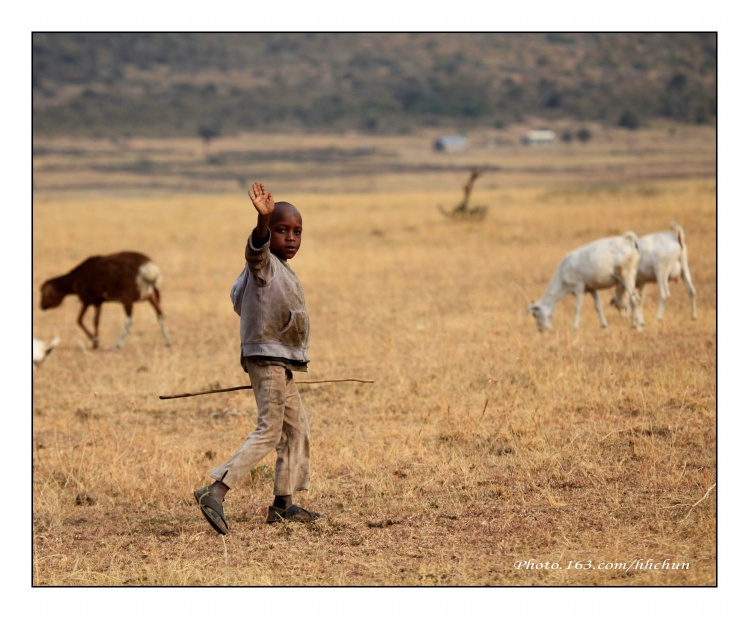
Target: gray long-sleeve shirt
x: 269, y: 299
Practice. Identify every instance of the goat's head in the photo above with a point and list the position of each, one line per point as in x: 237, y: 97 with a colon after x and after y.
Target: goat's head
x: 51, y: 296
x: 618, y: 302
x: 542, y: 316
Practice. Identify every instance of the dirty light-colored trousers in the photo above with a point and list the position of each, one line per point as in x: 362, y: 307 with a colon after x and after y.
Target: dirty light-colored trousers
x: 281, y: 423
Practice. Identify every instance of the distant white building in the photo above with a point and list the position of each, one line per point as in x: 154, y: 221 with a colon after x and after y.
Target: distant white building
x: 539, y: 136
x: 450, y: 143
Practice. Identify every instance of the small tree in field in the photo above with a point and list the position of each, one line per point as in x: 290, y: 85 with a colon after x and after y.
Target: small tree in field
x: 629, y: 121
x: 208, y: 131
x: 584, y: 134
x: 461, y: 211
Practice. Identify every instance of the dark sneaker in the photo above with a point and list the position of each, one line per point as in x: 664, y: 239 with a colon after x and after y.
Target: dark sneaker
x: 291, y: 514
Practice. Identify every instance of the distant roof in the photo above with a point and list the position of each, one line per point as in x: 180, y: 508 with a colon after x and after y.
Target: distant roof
x: 539, y: 135
x: 450, y: 141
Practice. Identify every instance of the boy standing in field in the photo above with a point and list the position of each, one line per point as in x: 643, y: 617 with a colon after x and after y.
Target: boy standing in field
x: 274, y: 329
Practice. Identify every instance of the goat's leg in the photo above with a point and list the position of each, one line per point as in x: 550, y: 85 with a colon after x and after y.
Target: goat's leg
x: 126, y: 328
x: 578, y: 306
x: 661, y: 309
x: 617, y: 300
x: 599, y: 309
x: 630, y: 286
x: 662, y: 280
x: 692, y: 300
x: 635, y: 303
x: 638, y: 322
x: 687, y: 277
x: 97, y: 315
x: 638, y: 302
x: 162, y: 322
x: 123, y: 333
x: 90, y: 335
x: 155, y: 299
x: 641, y: 292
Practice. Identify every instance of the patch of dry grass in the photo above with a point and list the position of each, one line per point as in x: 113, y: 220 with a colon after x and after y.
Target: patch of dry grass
x: 482, y: 443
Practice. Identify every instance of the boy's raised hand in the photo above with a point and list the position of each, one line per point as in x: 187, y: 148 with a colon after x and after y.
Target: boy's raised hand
x: 261, y: 199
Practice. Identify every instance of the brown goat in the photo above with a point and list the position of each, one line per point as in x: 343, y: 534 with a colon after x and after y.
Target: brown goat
x: 125, y: 277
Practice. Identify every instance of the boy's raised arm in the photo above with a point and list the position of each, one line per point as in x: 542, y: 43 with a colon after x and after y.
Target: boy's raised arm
x: 264, y: 204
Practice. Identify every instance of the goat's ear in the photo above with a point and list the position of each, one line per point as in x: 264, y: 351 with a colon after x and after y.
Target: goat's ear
x: 532, y: 309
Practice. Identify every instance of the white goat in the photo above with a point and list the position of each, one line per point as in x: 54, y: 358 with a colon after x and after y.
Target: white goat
x: 663, y: 257
x: 601, y: 264
x: 40, y: 351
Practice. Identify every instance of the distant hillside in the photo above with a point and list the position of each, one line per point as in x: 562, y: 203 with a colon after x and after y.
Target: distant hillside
x: 188, y: 84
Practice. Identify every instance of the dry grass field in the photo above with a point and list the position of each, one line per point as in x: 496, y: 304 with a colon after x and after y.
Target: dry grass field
x: 485, y: 453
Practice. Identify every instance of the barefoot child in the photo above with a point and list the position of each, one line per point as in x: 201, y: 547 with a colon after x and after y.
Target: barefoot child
x: 274, y: 329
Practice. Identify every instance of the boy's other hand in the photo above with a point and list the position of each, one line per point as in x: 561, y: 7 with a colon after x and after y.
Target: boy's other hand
x: 261, y: 199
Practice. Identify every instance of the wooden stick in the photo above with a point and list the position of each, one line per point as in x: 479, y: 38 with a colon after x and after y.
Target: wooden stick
x: 298, y: 382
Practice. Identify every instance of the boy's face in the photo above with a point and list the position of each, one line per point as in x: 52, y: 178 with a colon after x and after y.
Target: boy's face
x: 286, y: 234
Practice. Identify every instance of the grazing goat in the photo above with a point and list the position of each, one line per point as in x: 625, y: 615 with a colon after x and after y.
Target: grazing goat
x: 663, y: 257
x: 40, y: 351
x: 126, y: 277
x: 601, y: 264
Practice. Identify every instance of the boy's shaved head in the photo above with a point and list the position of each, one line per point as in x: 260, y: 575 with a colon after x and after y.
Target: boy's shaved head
x: 282, y: 210
x: 285, y: 227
